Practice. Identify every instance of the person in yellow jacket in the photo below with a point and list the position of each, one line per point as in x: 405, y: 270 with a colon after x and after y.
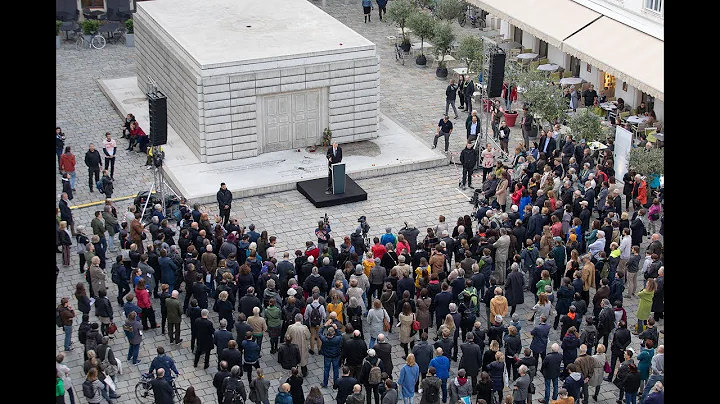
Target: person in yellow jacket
x: 424, y: 266
x: 149, y: 161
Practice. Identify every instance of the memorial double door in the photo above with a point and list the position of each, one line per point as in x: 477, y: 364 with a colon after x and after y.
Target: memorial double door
x: 291, y: 120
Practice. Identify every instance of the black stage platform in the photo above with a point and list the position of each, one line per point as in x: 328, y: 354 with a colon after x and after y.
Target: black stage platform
x: 314, y: 190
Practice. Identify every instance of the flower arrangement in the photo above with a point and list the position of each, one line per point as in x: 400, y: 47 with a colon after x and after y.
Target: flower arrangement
x: 327, y: 137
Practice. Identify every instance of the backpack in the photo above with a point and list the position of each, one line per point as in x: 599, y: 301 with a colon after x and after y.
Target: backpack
x: 58, y: 319
x: 91, y: 343
x: 431, y: 394
x: 289, y: 314
x: 88, y: 389
x: 114, y: 274
x: 472, y: 294
x: 99, y: 186
x: 375, y: 374
x: 315, y: 316
x: 591, y: 338
x: 232, y: 394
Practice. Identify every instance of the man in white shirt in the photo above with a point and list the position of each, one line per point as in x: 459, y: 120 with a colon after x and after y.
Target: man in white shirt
x: 625, y: 249
x: 109, y: 150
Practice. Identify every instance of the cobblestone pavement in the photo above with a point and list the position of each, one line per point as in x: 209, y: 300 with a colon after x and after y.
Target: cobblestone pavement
x: 410, y: 95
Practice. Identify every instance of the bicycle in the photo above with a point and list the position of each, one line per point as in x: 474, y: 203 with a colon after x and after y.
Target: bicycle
x: 144, y: 392
x: 399, y: 54
x: 471, y: 14
x: 97, y: 41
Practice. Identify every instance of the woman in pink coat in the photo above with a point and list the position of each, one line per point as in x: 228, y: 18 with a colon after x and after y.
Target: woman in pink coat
x: 488, y: 160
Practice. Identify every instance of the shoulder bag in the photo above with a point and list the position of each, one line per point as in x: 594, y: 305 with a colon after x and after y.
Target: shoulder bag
x: 415, y: 326
x: 386, y: 323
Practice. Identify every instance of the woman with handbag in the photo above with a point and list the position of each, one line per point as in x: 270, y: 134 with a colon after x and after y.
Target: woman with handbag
x: 407, y: 331
x: 94, y: 363
x: 377, y: 319
x: 107, y: 358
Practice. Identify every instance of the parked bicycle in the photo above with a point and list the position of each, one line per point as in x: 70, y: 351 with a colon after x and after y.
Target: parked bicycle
x: 471, y: 14
x: 144, y: 391
x: 97, y: 41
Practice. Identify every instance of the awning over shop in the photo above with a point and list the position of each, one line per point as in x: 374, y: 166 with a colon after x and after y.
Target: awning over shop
x: 550, y: 20
x: 626, y: 53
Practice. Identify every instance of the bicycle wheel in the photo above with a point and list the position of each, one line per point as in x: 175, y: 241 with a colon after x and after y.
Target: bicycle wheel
x: 98, y: 42
x: 462, y: 20
x: 143, y: 393
x: 179, y: 395
x: 79, y: 42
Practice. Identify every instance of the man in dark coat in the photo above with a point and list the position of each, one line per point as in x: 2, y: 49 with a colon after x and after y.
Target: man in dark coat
x: 162, y: 391
x: 354, y: 352
x: 199, y: 291
x: 441, y: 305
x: 231, y: 355
x: 334, y: 156
x: 94, y: 164
x: 547, y: 145
x: 468, y: 159
x: 468, y: 90
x: 590, y: 196
x: 471, y: 359
x: 550, y: 369
x: 289, y: 354
x: 424, y: 353
x: 450, y: 95
x: 345, y: 385
x: 218, y: 378
x: 383, y: 349
x: 540, y: 338
x: 224, y: 199
x: 637, y: 229
x: 514, y: 285
x: 535, y: 224
x: 248, y: 302
x: 204, y: 330
x: 584, y: 216
x: 568, y: 150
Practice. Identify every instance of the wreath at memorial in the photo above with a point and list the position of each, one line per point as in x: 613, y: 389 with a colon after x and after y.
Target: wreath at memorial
x: 327, y: 137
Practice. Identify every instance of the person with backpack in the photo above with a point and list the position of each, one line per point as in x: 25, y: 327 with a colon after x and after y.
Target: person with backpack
x: 233, y: 388
x: 95, y: 391
x: 588, y: 335
x: 315, y: 316
x: 430, y: 388
x: 371, y: 376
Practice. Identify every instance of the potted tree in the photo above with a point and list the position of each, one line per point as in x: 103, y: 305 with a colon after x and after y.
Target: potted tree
x: 58, y: 24
x: 586, y: 125
x: 129, y: 33
x: 469, y: 51
x: 89, y: 29
x: 544, y: 100
x: 444, y: 38
x: 398, y: 12
x: 449, y: 10
x: 648, y: 162
x: 423, y: 25
x: 327, y: 137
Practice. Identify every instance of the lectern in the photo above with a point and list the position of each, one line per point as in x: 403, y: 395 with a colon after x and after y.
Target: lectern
x: 338, y: 178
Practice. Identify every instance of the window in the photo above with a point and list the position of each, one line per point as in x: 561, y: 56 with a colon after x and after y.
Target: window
x: 543, y: 49
x: 93, y: 3
x: 654, y: 5
x: 517, y: 34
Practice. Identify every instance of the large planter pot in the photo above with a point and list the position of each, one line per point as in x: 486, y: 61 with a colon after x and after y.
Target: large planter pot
x: 441, y: 72
x: 88, y: 39
x: 421, y: 60
x: 130, y: 40
x: 57, y: 42
x: 405, y: 46
x: 510, y: 118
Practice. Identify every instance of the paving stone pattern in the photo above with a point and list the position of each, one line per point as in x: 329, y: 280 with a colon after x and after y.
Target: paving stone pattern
x: 409, y: 94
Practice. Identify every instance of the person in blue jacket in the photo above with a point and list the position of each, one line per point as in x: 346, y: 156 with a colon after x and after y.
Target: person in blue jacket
x: 251, y: 358
x: 330, y: 350
x: 441, y: 363
x: 409, y: 375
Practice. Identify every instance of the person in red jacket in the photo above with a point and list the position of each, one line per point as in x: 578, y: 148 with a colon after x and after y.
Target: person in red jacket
x: 138, y: 136
x: 67, y: 165
x: 639, y: 191
x: 143, y: 301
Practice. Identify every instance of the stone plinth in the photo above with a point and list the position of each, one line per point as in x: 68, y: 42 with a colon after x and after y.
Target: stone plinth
x: 248, y: 77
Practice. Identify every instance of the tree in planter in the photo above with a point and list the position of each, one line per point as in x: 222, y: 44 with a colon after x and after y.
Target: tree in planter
x: 543, y: 99
x: 444, y: 38
x: 58, y: 24
x: 398, y: 11
x: 647, y: 162
x: 586, y: 125
x: 423, y: 25
x: 90, y: 27
x: 470, y: 52
x: 449, y: 10
x: 129, y: 28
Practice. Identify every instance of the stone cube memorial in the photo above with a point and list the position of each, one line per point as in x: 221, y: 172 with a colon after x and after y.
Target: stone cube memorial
x: 249, y: 77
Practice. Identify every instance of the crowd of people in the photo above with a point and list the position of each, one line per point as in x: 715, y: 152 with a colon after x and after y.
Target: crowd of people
x: 565, y: 240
